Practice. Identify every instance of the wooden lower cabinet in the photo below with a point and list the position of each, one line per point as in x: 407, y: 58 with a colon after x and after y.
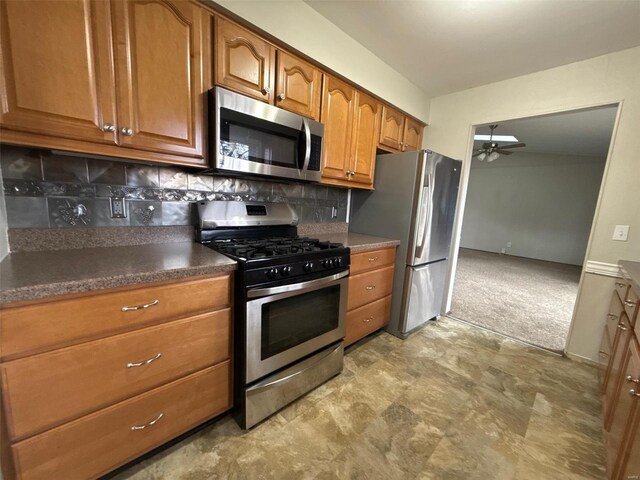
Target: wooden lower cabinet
x: 370, y: 287
x: 93, y: 445
x: 94, y: 404
x: 621, y: 386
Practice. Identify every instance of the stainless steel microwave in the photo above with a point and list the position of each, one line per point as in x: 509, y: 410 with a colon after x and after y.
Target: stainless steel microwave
x: 252, y: 137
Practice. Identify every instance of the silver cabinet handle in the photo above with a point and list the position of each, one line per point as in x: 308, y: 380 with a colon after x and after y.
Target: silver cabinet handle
x: 367, y: 320
x: 107, y: 127
x: 370, y: 287
x: 620, y: 284
x: 146, y: 362
x: 152, y: 422
x: 282, y: 96
x: 629, y: 303
x: 633, y: 393
x: 603, y: 354
x: 622, y: 327
x: 633, y: 380
x: 127, y: 131
x: 266, y: 91
x: 373, y: 259
x: 611, y: 316
x: 141, y: 307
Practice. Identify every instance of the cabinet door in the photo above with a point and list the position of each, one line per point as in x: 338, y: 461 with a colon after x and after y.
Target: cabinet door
x: 160, y: 76
x: 244, y: 62
x: 57, y: 73
x: 391, y: 129
x: 338, y: 107
x: 299, y: 86
x: 623, y: 433
x: 366, y: 126
x: 412, y: 136
x: 615, y: 380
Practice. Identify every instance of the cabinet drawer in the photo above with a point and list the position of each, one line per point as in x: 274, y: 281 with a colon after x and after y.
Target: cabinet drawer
x: 48, y: 325
x: 362, y: 262
x: 370, y: 286
x: 45, y: 390
x: 613, y: 317
x: 621, y: 287
x: 367, y: 319
x: 95, y: 444
x: 604, y: 357
x: 631, y: 302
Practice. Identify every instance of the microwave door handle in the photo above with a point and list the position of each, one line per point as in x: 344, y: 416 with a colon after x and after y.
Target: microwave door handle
x: 307, y: 150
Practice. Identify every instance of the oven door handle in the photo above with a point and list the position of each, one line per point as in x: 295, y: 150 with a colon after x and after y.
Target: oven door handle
x: 307, y: 149
x: 311, y: 284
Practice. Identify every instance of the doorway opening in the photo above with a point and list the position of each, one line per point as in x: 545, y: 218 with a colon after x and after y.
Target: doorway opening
x: 526, y: 224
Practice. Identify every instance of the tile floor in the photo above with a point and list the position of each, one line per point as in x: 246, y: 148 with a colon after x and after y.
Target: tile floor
x: 451, y: 402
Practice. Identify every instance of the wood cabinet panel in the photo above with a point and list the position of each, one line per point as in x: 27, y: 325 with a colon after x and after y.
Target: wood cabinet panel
x: 365, y: 261
x: 47, y: 325
x: 614, y: 381
x: 367, y: 319
x: 391, y: 129
x: 367, y: 287
x: 366, y: 124
x: 618, y: 434
x: 244, y: 62
x: 631, y: 303
x: 57, y: 69
x: 93, y: 445
x: 338, y: 108
x: 412, y: 135
x: 299, y: 86
x: 621, y: 287
x: 604, y: 358
x: 160, y: 76
x: 630, y: 463
x: 613, y: 317
x: 43, y: 391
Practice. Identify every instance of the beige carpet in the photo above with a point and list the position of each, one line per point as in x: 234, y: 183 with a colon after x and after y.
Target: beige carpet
x: 530, y: 300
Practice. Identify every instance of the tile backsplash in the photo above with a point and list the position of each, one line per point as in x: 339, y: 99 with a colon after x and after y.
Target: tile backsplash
x: 45, y: 189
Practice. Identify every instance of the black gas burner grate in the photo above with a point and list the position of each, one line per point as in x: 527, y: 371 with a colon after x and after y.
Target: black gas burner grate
x: 251, y: 249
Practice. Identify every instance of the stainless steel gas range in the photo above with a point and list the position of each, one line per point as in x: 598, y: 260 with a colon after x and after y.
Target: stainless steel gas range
x: 290, y: 303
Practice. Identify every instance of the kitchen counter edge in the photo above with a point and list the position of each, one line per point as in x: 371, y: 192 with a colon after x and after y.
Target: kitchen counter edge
x: 631, y: 272
x: 359, y: 242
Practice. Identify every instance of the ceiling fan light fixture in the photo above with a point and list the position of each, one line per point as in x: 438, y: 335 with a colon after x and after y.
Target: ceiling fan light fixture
x: 492, y: 156
x: 482, y: 156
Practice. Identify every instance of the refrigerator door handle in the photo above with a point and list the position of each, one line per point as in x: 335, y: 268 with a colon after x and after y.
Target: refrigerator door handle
x: 425, y: 218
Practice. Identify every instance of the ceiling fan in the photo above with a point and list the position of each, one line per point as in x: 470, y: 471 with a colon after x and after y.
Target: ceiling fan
x: 491, y: 150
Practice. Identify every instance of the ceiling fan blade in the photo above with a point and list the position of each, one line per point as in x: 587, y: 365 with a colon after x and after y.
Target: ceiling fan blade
x: 503, y: 152
x: 514, y: 145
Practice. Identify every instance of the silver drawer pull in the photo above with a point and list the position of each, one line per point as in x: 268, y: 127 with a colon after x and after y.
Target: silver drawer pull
x: 141, y: 307
x: 620, y: 284
x: 370, y: 287
x: 633, y: 380
x: 629, y: 303
x: 146, y: 362
x: 152, y: 422
x: 622, y: 327
x: 633, y: 393
x: 603, y: 354
x: 611, y: 316
x: 367, y: 320
x: 373, y: 259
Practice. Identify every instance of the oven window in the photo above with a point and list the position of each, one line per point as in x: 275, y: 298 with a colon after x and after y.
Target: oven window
x: 249, y: 138
x: 294, y: 320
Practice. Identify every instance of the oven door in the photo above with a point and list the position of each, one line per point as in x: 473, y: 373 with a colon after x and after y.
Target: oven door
x: 257, y: 138
x: 289, y: 322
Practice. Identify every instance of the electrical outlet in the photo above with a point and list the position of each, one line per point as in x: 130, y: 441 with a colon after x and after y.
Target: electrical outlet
x: 508, y: 244
x: 118, y: 207
x: 621, y: 232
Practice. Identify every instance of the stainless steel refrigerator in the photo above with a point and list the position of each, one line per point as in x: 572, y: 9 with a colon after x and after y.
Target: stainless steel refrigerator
x: 415, y: 201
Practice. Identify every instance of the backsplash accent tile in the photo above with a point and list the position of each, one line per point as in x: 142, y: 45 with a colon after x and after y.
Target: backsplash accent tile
x: 82, y: 200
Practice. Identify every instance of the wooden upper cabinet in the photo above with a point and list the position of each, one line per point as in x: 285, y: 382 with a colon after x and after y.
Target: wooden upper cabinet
x: 366, y: 126
x: 299, y: 86
x: 244, y: 62
x: 160, y: 75
x: 412, y: 136
x: 391, y: 129
x: 338, y: 109
x: 57, y: 69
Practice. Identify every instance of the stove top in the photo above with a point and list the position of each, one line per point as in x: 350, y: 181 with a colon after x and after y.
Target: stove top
x: 258, y: 248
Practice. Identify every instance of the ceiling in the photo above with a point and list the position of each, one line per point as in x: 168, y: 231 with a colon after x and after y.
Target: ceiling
x: 443, y: 46
x: 583, y: 132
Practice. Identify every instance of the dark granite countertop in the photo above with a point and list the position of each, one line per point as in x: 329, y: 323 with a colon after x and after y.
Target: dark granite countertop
x: 359, y: 242
x: 33, y: 275
x: 632, y: 270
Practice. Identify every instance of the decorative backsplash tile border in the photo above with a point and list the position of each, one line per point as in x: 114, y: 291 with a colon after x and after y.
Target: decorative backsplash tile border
x: 47, y: 190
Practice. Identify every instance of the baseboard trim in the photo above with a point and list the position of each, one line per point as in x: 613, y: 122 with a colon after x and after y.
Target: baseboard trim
x: 581, y: 359
x: 601, y: 268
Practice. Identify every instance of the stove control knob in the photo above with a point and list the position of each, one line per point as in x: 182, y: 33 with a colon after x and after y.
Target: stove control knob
x: 308, y: 266
x: 338, y: 262
x: 285, y: 271
x: 330, y: 262
x: 272, y: 273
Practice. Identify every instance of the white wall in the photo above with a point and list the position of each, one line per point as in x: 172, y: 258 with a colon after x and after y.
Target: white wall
x: 542, y: 203
x: 300, y: 26
x: 602, y: 80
